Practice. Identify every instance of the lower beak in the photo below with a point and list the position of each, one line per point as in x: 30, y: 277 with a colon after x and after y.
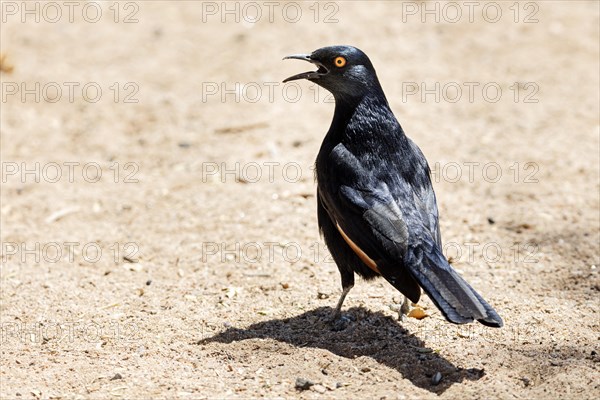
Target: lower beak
x: 306, y: 75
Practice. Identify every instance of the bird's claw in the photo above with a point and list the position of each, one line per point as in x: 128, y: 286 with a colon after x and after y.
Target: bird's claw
x: 339, y: 322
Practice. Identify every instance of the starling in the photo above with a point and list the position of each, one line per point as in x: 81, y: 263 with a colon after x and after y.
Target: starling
x: 376, y: 207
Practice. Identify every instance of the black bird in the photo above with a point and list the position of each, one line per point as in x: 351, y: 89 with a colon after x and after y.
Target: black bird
x: 376, y: 206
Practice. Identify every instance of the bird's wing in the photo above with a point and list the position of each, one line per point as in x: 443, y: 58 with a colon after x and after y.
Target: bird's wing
x: 424, y: 196
x: 383, y: 218
x: 391, y: 225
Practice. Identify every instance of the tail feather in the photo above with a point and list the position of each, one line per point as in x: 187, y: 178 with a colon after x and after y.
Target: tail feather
x: 455, y: 298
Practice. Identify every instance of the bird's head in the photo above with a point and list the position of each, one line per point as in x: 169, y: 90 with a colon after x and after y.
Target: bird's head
x: 345, y: 71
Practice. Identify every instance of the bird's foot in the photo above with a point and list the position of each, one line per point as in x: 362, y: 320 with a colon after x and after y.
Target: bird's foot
x: 335, y: 315
x: 402, y: 309
x: 405, y: 307
x: 340, y: 322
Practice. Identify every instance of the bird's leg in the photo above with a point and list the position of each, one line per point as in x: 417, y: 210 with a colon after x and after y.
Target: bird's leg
x: 338, y: 309
x: 347, y: 284
x: 405, y: 307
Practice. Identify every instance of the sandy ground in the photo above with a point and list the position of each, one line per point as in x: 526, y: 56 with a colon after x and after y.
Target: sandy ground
x: 159, y: 231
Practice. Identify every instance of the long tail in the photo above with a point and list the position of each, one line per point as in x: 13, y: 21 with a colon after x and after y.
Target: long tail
x: 455, y: 298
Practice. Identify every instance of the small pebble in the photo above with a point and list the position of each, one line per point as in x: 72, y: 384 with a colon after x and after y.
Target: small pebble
x: 303, y: 384
x: 437, y: 378
x: 424, y: 350
x: 116, y: 377
x: 148, y: 282
x: 319, y: 389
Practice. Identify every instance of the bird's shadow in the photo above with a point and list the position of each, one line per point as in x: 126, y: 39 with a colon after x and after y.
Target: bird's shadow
x: 360, y: 333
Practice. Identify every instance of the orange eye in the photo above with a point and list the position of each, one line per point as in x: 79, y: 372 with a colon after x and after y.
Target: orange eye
x: 339, y: 61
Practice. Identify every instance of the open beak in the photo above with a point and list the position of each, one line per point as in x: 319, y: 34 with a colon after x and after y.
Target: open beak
x: 307, y: 75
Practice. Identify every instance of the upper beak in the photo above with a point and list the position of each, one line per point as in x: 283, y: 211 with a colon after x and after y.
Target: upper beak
x: 306, y: 75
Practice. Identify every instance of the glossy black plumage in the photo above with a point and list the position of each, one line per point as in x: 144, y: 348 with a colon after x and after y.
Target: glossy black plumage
x: 376, y: 206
